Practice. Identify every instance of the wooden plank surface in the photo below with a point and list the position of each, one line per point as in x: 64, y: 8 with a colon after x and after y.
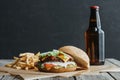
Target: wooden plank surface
x: 99, y: 76
x: 114, y: 61
x: 9, y: 77
x: 114, y: 75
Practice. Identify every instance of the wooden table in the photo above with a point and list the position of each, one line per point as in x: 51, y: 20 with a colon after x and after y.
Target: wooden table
x: 94, y: 76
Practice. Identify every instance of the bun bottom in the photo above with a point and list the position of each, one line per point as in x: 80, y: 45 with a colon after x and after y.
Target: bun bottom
x: 60, y: 70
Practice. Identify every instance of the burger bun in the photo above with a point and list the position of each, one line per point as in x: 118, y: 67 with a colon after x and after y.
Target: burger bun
x: 80, y: 57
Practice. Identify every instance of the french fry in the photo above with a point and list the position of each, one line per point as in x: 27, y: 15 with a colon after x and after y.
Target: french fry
x: 23, y: 58
x: 38, y: 54
x: 15, y: 58
x: 25, y: 61
x: 26, y: 54
x: 26, y: 68
x: 8, y: 65
x: 18, y: 67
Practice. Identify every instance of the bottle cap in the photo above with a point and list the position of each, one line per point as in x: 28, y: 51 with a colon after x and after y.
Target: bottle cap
x: 94, y: 7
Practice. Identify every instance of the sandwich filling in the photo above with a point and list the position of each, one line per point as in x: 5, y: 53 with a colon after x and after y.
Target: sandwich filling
x: 57, y: 65
x: 55, y: 55
x: 55, y: 60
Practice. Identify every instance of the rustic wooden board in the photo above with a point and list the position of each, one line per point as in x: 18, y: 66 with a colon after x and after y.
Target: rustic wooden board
x: 94, y: 75
x: 101, y: 76
x: 114, y: 61
x: 9, y: 77
x: 115, y: 75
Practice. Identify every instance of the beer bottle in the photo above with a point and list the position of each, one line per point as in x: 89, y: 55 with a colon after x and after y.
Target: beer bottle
x: 94, y: 38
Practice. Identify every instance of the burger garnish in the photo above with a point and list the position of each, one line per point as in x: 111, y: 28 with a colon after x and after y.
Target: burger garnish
x: 55, y: 55
x: 54, y: 61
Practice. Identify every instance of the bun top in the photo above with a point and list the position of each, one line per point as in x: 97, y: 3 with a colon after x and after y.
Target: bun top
x: 80, y: 57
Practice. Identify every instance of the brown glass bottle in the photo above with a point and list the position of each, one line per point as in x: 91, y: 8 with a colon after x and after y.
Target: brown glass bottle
x: 94, y: 38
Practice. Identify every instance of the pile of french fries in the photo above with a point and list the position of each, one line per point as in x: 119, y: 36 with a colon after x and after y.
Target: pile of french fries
x: 25, y: 61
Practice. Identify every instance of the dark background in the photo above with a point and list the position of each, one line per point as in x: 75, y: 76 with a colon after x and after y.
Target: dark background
x: 42, y: 25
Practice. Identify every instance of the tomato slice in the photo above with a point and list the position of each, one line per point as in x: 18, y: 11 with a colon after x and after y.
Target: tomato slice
x: 48, y: 66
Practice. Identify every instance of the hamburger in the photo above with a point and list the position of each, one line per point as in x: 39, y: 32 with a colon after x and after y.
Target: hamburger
x: 65, y: 59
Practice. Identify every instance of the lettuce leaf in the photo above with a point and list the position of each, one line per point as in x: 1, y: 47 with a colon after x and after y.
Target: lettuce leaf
x: 50, y: 53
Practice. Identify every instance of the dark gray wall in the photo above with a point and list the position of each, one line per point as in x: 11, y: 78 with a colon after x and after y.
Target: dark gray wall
x: 42, y: 25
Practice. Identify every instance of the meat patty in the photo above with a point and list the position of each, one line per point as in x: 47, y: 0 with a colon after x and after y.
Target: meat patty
x: 52, y: 58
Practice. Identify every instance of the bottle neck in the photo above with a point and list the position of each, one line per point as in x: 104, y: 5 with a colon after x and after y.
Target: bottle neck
x: 94, y: 19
